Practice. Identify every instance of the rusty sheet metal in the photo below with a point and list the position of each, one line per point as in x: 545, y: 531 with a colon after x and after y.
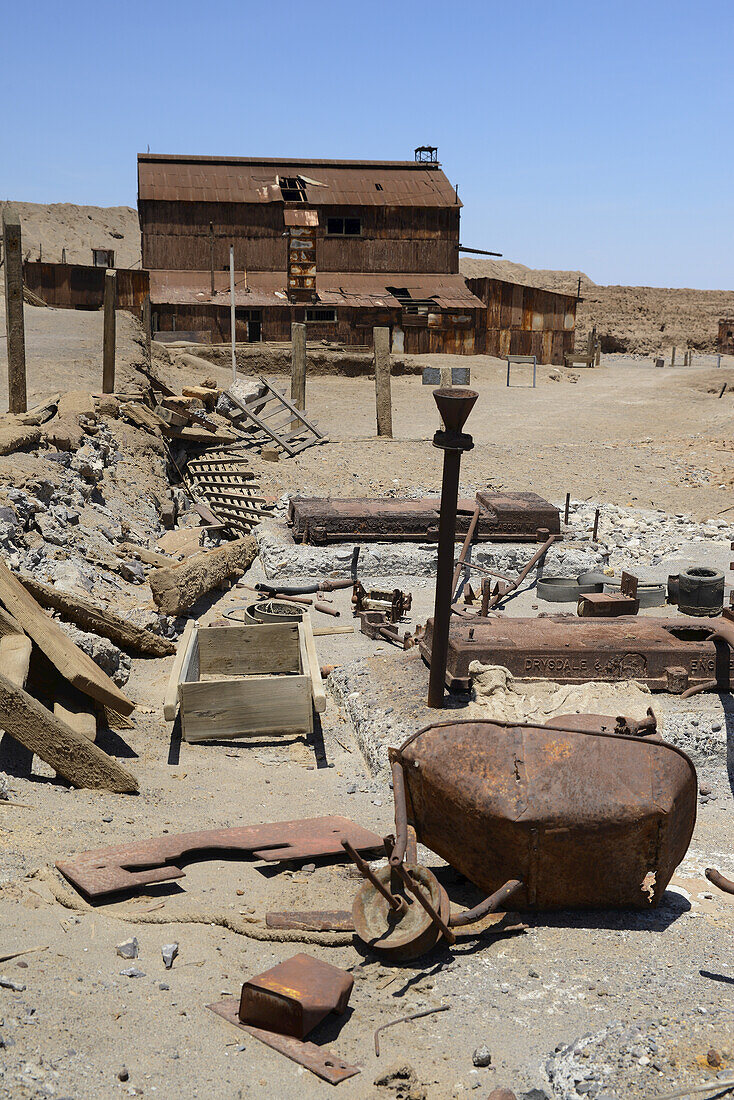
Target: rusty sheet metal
x: 503, y: 516
x: 327, y: 182
x: 130, y: 866
x: 81, y: 286
x: 319, y: 1060
x: 583, y: 819
x: 293, y: 997
x: 349, y: 288
x: 666, y: 654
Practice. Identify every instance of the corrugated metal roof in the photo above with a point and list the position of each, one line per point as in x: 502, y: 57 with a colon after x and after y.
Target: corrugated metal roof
x: 268, y: 288
x: 327, y: 182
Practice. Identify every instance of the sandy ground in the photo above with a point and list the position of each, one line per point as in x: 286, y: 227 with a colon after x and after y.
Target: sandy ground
x: 79, y: 1028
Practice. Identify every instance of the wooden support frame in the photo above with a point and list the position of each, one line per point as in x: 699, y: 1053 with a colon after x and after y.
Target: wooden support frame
x: 291, y: 440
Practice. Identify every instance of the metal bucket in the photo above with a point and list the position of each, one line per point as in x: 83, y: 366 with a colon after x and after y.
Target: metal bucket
x: 585, y: 819
x: 266, y: 611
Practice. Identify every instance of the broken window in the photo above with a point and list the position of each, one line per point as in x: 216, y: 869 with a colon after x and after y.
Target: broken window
x: 344, y: 227
x: 321, y: 315
x: 292, y: 188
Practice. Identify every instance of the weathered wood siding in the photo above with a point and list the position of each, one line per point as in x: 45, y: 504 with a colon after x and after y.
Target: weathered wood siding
x: 523, y: 320
x: 175, y: 236
x: 81, y: 286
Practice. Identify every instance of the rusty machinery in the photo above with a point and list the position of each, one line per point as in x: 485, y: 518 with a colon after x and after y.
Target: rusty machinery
x: 604, y: 830
x: 502, y: 517
x: 672, y: 655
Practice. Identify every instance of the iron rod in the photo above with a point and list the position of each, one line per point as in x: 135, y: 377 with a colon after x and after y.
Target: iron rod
x: 444, y: 575
x: 365, y: 870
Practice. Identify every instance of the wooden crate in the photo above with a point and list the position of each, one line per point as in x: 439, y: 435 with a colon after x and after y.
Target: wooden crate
x: 245, y: 681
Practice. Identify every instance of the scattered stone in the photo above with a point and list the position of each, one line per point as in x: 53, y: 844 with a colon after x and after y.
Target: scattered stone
x: 122, y: 1074
x: 128, y: 949
x: 132, y: 571
x: 8, y: 983
x: 132, y: 972
x: 403, y: 1081
x: 482, y: 1056
x: 169, y: 951
x: 713, y: 1058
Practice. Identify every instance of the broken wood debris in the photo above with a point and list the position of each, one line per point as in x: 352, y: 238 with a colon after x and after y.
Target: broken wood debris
x: 225, y: 483
x: 269, y: 416
x: 176, y: 588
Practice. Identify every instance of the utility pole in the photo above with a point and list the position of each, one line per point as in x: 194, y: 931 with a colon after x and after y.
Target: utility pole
x: 298, y: 365
x: 231, y: 311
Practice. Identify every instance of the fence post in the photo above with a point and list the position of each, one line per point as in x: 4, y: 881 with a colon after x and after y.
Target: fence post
x: 381, y: 339
x: 15, y: 324
x: 298, y: 365
x: 108, y: 343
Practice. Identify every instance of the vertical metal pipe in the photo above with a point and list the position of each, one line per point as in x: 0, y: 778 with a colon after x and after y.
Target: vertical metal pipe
x: 231, y: 311
x: 444, y: 575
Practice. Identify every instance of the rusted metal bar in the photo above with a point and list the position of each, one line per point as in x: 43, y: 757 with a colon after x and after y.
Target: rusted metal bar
x: 395, y: 903
x: 596, y: 526
x: 465, y: 549
x: 486, y: 588
x: 404, y: 1020
x: 514, y: 585
x: 492, y: 904
x: 565, y: 510
x: 454, y: 405
x: 424, y: 902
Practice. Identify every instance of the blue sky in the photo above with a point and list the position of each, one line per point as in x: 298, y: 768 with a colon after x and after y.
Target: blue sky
x: 592, y: 135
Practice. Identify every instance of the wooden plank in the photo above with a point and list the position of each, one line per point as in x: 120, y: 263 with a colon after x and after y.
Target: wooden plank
x: 260, y: 706
x: 77, y: 667
x: 312, y: 666
x: 71, y: 755
x: 186, y: 641
x: 264, y: 649
x: 77, y: 716
x: 91, y: 616
x: 15, y: 658
x: 296, y: 412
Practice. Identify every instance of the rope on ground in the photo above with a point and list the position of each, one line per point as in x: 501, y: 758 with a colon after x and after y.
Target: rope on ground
x: 72, y: 901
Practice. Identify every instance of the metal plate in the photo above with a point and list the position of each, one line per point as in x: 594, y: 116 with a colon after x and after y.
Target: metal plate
x: 319, y: 1060
x: 666, y: 654
x: 129, y: 866
x: 504, y: 516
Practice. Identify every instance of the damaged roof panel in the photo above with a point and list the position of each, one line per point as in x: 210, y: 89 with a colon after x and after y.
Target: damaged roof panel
x: 268, y: 288
x: 327, y: 182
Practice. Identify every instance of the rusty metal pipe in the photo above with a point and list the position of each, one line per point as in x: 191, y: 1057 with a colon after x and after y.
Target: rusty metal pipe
x: 394, y: 902
x: 425, y: 903
x: 492, y: 904
x: 719, y: 880
x: 401, y: 814
x: 444, y: 571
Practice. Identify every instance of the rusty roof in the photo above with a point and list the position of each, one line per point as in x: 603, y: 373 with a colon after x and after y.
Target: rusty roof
x: 326, y: 182
x: 254, y: 289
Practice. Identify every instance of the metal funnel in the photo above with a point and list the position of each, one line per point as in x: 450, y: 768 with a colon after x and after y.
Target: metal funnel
x: 454, y: 404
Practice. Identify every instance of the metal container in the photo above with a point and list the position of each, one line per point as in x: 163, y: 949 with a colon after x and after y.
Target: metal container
x: 295, y: 996
x: 585, y: 819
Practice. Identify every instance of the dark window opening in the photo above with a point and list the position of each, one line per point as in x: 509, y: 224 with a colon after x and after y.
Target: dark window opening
x: 344, y: 227
x: 420, y: 306
x: 249, y: 325
x: 293, y: 189
x: 321, y: 315
x: 378, y: 187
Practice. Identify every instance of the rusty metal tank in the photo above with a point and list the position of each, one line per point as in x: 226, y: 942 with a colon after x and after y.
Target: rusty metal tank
x: 585, y: 817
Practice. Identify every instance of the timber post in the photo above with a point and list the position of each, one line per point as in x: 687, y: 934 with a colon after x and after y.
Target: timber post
x: 381, y: 339
x: 298, y: 365
x: 15, y: 324
x: 108, y: 345
x: 147, y: 329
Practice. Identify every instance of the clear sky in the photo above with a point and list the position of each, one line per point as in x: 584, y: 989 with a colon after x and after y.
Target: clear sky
x: 590, y: 134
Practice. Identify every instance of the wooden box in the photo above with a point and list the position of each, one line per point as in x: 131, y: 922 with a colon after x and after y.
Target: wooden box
x: 245, y: 681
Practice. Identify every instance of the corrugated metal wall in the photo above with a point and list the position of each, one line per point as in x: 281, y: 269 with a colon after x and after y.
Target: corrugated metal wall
x: 523, y: 320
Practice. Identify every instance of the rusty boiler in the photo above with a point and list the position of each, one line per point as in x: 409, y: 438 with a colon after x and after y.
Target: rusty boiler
x: 584, y: 816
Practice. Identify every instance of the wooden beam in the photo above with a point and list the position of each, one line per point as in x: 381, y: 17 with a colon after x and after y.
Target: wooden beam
x: 314, y: 668
x: 14, y: 320
x: 76, y: 666
x: 108, y: 352
x: 177, y: 588
x: 381, y: 337
x: 68, y: 752
x: 170, y: 701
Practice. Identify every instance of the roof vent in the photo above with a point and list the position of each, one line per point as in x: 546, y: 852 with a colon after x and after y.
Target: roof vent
x: 427, y: 154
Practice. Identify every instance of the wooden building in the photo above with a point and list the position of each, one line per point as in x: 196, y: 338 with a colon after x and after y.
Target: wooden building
x: 81, y: 286
x: 340, y: 245
x: 525, y: 320
x: 725, y: 339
